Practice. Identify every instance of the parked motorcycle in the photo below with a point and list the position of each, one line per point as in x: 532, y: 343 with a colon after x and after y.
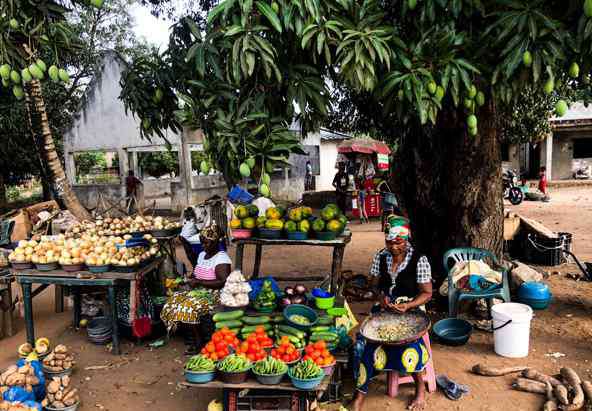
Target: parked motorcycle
x: 510, y: 185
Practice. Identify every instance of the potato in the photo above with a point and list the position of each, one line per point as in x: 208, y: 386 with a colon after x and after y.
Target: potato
x: 31, y: 380
x: 59, y: 395
x: 60, y: 356
x: 53, y: 387
x: 29, y: 388
x: 60, y: 349
x: 58, y: 404
x: 65, y: 381
x: 70, y: 395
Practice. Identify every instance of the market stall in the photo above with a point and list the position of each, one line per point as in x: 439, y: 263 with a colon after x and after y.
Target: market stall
x: 367, y: 165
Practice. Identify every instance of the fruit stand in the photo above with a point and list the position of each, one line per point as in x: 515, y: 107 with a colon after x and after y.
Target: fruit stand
x: 338, y: 251
x: 59, y: 277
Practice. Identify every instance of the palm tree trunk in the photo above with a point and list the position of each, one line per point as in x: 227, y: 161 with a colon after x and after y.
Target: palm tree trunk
x: 48, y: 151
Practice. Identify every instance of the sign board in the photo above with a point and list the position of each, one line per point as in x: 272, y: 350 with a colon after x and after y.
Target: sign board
x: 382, y: 161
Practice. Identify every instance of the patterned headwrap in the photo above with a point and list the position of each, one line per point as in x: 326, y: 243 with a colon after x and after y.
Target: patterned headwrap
x: 399, y: 231
x: 212, y: 233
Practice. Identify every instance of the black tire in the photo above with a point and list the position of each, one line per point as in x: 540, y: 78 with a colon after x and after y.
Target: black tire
x: 516, y: 196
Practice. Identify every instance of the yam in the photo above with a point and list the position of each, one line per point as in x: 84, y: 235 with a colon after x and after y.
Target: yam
x: 535, y: 375
x: 560, y: 392
x: 60, y: 356
x: 53, y: 387
x: 29, y: 388
x: 31, y: 380
x: 67, y: 365
x: 587, y: 387
x: 574, y: 381
x: 60, y: 349
x: 524, y: 384
x: 488, y: 371
x: 550, y: 405
x: 49, y: 357
x: 26, y: 369
x: 50, y: 397
x: 70, y: 401
x: 9, y: 371
x: 65, y: 381
x: 58, y: 404
x: 15, y: 379
x: 71, y: 394
x: 59, y: 395
x: 45, y: 403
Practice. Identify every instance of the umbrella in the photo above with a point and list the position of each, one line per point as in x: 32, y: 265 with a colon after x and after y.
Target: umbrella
x: 365, y: 145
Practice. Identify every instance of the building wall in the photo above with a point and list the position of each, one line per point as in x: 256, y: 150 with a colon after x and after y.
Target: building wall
x: 513, y: 158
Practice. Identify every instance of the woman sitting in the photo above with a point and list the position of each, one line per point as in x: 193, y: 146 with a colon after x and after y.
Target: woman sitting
x: 404, y: 280
x: 194, y: 305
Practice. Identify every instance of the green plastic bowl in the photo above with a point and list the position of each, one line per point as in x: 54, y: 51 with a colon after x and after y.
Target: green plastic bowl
x: 303, y: 310
x: 337, y: 311
x: 324, y: 303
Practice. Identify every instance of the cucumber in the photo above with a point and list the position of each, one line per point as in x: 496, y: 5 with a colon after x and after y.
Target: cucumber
x: 236, y: 331
x: 325, y: 320
x: 264, y: 319
x: 278, y: 319
x: 248, y: 329
x: 323, y: 336
x: 228, y: 315
x: 293, y: 340
x: 319, y: 329
x: 291, y: 330
x: 229, y: 324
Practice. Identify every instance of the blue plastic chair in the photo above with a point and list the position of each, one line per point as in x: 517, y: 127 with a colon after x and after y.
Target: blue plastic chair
x: 455, y: 295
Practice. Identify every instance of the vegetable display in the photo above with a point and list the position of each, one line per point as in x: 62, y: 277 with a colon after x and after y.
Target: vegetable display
x: 60, y: 359
x: 286, y: 351
x: 319, y: 354
x: 41, y: 348
x: 270, y: 366
x: 236, y: 290
x: 324, y: 333
x: 220, y: 344
x: 266, y: 297
x: 234, y: 363
x: 306, y: 370
x: 294, y: 295
x: 199, y: 363
x: 299, y: 319
x: 253, y: 347
x: 295, y: 336
x: 18, y: 377
x: 60, y: 394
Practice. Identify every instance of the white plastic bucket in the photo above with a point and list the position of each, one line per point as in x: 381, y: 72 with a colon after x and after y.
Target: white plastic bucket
x: 511, y: 325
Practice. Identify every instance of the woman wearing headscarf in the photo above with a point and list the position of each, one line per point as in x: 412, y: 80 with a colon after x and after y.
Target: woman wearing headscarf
x: 404, y: 280
x: 193, y: 306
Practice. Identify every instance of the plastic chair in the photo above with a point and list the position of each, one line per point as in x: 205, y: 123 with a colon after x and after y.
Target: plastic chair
x: 394, y: 380
x: 455, y: 295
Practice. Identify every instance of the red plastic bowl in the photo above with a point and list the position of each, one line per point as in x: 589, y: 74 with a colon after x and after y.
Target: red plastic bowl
x: 242, y: 233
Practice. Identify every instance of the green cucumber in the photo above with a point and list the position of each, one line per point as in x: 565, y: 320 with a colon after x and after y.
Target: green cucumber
x: 248, y: 329
x: 278, y: 319
x: 319, y: 329
x: 228, y: 315
x: 236, y: 331
x: 291, y: 330
x: 229, y: 324
x: 293, y: 340
x: 323, y: 336
x: 264, y: 319
x: 325, y: 320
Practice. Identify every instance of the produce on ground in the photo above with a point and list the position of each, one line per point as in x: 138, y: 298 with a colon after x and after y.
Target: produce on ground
x: 219, y: 346
x: 550, y: 404
x: 270, y: 366
x: 306, y: 370
x: 60, y: 359
x: 200, y: 363
x: 41, y: 347
x: 60, y: 393
x: 524, y: 384
x: 575, y: 383
x: 489, y: 371
x: 253, y: 346
x: 234, y: 363
x: 236, y: 291
x: 285, y: 351
x: 15, y: 376
x: 539, y: 376
x: 318, y: 353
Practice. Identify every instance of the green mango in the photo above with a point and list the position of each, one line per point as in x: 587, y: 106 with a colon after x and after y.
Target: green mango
x: 412, y: 4
x: 14, y: 24
x: 158, y: 95
x: 5, y: 71
x: 480, y: 98
x: 269, y: 166
x: 264, y: 190
x: 265, y: 179
x: 5, y: 83
x: 36, y: 71
x: 561, y: 108
x: 15, y: 77
x: 473, y: 131
x: 588, y: 8
x: 574, y: 70
x: 18, y: 92
x: 549, y: 86
x: 250, y: 162
x: 472, y: 91
x: 97, y: 3
x: 527, y: 58
x: 26, y: 75
x: 400, y: 94
x: 432, y: 87
x: 468, y: 103
x: 63, y: 75
x: 440, y: 93
x: 146, y: 123
x: 41, y: 64
x: 472, y: 121
x: 204, y: 167
x: 53, y: 73
x: 245, y: 170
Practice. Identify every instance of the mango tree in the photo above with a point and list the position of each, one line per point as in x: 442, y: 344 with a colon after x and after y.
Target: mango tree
x: 445, y: 75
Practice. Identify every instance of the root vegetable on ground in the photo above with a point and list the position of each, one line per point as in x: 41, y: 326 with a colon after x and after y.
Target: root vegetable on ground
x: 550, y: 404
x: 587, y: 387
x: 573, y: 379
x: 524, y: 384
x: 535, y: 375
x: 488, y: 371
x: 560, y: 392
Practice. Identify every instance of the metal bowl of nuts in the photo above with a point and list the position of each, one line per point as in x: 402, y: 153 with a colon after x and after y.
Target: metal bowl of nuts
x: 391, y: 328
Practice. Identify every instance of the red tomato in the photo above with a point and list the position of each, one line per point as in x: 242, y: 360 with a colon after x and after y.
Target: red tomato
x: 216, y: 338
x: 309, y: 349
x: 214, y: 356
x: 260, y: 329
x: 320, y: 345
x: 306, y: 357
x: 286, y: 358
x: 228, y: 338
x: 315, y: 354
x: 273, y: 352
x: 251, y: 357
x: 282, y: 349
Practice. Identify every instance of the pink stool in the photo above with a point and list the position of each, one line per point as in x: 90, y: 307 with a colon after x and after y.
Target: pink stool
x: 393, y: 379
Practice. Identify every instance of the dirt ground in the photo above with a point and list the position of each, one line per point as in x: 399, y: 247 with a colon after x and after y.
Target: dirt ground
x: 145, y: 378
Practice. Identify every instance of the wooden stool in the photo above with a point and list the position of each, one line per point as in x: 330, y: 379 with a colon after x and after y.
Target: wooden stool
x: 393, y: 379
x: 6, y: 307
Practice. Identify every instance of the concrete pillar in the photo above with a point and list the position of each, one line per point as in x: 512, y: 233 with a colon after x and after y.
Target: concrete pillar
x: 549, y: 156
x: 70, y: 168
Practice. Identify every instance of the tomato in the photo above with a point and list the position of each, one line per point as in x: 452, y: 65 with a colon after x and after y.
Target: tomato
x: 251, y: 357
x: 214, y: 356
x: 252, y: 338
x: 309, y: 349
x: 216, y: 338
x: 285, y: 358
x: 320, y: 345
x: 325, y: 353
x: 261, y: 355
x: 236, y: 342
x: 225, y: 330
x: 306, y: 357
x: 315, y: 354
x: 290, y: 350
x: 220, y: 346
x: 260, y: 329
x: 210, y: 347
x: 228, y: 338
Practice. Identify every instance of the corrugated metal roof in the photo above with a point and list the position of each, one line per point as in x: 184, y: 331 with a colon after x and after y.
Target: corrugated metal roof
x: 577, y: 111
x: 333, y: 135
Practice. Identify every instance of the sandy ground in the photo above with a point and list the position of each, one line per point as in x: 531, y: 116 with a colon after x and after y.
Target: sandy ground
x: 145, y: 378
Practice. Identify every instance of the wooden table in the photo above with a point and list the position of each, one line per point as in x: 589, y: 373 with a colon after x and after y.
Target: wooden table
x: 235, y: 393
x: 61, y: 278
x: 338, y: 251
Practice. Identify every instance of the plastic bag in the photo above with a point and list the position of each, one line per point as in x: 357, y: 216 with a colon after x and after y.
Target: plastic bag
x: 257, y: 285
x: 31, y: 404
x: 18, y: 394
x: 39, y: 389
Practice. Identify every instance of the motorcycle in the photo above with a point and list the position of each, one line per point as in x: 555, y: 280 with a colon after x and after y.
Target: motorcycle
x: 510, y: 185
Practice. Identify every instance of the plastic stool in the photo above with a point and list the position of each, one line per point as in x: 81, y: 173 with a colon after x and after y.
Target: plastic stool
x: 393, y: 379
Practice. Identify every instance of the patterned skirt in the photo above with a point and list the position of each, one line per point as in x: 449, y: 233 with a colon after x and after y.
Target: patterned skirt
x: 188, y: 306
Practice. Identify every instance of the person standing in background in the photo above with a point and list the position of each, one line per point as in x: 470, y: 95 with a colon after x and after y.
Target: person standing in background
x: 131, y: 191
x: 543, y: 183
x: 340, y: 183
x: 308, y: 177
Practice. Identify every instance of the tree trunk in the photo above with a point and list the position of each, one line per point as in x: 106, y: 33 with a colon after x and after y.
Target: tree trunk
x: 53, y: 165
x: 3, y: 200
x: 450, y: 185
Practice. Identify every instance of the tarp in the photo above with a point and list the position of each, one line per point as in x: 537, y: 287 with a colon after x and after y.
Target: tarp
x: 363, y: 145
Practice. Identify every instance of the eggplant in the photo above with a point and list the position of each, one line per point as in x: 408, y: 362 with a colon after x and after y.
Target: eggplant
x: 289, y: 291
x: 300, y: 289
x: 285, y: 301
x: 298, y: 300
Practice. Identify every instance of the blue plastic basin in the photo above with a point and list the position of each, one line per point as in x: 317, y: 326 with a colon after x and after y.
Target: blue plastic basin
x: 199, y: 377
x: 453, y: 331
x: 306, y: 384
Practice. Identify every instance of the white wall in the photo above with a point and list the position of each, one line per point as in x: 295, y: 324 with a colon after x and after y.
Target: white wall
x: 328, y: 156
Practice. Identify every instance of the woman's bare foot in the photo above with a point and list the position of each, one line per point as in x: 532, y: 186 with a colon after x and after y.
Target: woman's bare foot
x: 358, y: 401
x: 419, y: 402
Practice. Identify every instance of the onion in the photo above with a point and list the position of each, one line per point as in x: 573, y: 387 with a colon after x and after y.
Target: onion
x: 300, y: 289
x: 289, y: 290
x: 285, y: 301
x: 298, y: 300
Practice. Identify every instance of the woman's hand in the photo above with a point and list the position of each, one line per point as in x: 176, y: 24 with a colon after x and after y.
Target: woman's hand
x: 400, y: 308
x: 385, y: 302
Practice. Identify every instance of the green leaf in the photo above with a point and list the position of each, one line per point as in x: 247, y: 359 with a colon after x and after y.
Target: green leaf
x: 268, y: 12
